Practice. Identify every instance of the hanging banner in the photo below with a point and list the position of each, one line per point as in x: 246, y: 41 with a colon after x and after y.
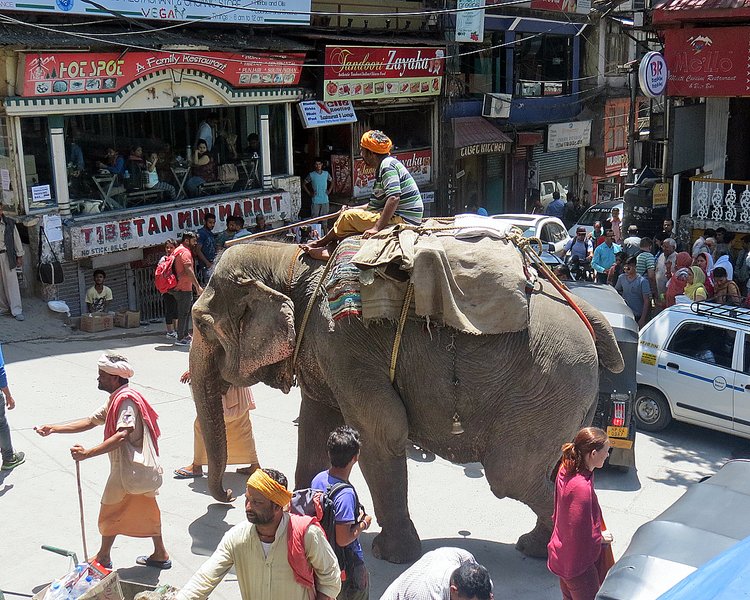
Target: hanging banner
x: 708, y: 61
x: 365, y: 72
x: 257, y: 12
x: 74, y: 73
x: 318, y: 114
x: 417, y: 162
x: 470, y: 23
x: 581, y: 7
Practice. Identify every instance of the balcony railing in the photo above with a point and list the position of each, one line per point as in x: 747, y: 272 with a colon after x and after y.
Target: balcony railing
x: 720, y: 199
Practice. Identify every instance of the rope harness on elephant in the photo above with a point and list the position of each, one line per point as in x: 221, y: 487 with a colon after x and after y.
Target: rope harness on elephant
x: 526, y: 247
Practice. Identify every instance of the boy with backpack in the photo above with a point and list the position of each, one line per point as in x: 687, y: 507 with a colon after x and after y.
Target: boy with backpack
x: 350, y: 519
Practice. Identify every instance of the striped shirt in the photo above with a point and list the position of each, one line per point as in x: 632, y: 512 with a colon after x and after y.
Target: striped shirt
x: 393, y: 179
x: 644, y: 261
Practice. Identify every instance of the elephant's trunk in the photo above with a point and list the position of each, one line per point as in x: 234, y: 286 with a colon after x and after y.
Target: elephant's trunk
x: 207, y: 390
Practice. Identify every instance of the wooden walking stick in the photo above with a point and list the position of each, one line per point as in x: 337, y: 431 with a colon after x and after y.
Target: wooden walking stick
x: 255, y: 236
x: 80, y: 506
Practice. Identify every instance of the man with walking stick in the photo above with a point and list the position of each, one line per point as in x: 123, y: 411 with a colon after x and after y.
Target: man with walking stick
x: 128, y: 505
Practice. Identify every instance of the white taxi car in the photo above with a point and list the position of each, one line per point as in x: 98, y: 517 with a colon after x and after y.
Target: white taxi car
x: 694, y: 366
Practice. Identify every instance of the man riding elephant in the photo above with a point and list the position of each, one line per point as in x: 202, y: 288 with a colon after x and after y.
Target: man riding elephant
x: 395, y: 198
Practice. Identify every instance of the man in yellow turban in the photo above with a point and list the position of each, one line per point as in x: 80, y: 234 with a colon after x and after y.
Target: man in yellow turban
x: 275, y: 555
x: 395, y: 198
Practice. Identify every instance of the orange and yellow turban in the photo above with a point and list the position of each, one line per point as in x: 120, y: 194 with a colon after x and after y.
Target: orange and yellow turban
x: 269, y: 487
x: 376, y: 141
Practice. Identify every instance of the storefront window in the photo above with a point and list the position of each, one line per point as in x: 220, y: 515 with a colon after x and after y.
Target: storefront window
x: 124, y: 160
x: 484, y: 72
x: 409, y: 128
x: 37, y: 163
x: 543, y: 65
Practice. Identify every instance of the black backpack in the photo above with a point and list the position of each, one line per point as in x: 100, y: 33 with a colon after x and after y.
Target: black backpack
x: 319, y: 504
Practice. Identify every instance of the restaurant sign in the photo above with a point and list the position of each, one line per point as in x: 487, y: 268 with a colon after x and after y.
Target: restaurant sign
x: 153, y: 229
x: 708, y: 61
x: 366, y: 72
x: 562, y: 136
x: 258, y: 12
x: 417, y: 162
x: 581, y: 7
x: 484, y: 148
x: 318, y: 114
x: 73, y: 73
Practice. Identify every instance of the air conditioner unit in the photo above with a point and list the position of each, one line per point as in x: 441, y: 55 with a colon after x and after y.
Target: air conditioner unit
x: 496, y: 106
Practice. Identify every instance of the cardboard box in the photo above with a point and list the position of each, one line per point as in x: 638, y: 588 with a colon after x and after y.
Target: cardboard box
x: 127, y: 319
x: 107, y: 589
x: 96, y: 322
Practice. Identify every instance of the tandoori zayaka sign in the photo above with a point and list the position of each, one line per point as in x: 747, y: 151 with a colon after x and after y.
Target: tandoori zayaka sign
x: 155, y: 228
x: 75, y: 73
x: 366, y: 72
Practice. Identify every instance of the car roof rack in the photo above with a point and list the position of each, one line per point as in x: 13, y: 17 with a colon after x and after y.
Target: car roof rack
x: 738, y: 314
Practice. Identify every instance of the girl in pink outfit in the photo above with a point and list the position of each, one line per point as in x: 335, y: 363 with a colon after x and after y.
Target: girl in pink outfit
x: 575, y: 550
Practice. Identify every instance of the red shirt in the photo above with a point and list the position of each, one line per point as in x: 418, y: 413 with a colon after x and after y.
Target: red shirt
x: 576, y: 540
x: 183, y: 263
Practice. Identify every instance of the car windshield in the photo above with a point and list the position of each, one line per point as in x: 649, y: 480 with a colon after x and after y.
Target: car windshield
x: 594, y: 214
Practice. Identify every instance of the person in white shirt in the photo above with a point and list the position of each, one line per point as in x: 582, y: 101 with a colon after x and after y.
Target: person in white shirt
x: 443, y: 574
x: 206, y: 130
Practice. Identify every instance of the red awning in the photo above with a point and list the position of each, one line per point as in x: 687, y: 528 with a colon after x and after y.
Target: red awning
x: 680, y: 11
x: 476, y: 135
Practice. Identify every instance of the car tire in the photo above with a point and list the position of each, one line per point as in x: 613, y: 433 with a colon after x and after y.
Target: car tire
x: 651, y: 410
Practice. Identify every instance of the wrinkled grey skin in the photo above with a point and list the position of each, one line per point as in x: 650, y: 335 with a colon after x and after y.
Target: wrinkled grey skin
x: 520, y: 395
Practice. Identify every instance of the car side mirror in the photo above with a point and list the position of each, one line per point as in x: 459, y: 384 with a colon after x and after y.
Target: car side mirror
x: 551, y: 248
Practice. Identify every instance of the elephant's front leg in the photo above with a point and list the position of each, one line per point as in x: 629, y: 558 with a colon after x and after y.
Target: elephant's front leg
x: 382, y: 422
x: 316, y: 422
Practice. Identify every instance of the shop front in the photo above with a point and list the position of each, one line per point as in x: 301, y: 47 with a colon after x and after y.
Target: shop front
x: 393, y: 89
x: 480, y: 152
x: 132, y: 148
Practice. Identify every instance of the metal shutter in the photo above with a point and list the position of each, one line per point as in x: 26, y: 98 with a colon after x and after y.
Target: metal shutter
x: 116, y: 280
x: 67, y: 291
x: 554, y: 165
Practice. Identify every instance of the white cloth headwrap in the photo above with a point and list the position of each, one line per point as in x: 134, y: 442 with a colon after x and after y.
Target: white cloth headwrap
x: 115, y: 367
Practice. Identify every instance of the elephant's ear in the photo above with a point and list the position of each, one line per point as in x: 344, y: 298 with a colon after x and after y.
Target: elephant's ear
x: 266, y: 330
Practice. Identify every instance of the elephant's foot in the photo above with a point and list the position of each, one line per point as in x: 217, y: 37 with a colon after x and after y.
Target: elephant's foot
x: 535, y: 542
x: 404, y: 547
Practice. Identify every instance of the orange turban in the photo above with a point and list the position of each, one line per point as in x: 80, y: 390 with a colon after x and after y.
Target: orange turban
x: 376, y: 141
x: 269, y: 487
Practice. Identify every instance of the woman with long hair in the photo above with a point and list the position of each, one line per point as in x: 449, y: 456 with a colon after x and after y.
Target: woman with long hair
x: 576, y: 549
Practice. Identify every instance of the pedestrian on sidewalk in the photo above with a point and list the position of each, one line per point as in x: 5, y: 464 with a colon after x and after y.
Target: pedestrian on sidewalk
x: 11, y: 258
x: 237, y: 403
x: 443, y: 574
x: 275, y: 555
x: 184, y: 269
x: 169, y: 302
x: 131, y: 434
x: 351, y: 520
x: 576, y: 550
x: 11, y: 459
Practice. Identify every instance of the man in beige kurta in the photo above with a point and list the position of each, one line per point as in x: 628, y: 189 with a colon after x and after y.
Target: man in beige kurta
x: 259, y: 551
x: 11, y: 257
x: 128, y: 505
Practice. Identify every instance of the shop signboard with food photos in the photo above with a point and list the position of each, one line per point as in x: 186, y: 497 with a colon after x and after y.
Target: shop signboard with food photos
x: 369, y: 72
x: 72, y: 73
x: 417, y: 162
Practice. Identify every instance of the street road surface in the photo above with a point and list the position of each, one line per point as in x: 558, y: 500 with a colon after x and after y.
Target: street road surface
x: 450, y: 504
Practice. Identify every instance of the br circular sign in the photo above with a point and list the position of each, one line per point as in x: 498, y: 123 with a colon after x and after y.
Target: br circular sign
x: 652, y: 74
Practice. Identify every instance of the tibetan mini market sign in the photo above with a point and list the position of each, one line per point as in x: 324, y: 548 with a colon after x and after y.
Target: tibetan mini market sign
x: 257, y: 12
x: 154, y: 228
x: 73, y: 73
x: 708, y: 61
x: 366, y: 72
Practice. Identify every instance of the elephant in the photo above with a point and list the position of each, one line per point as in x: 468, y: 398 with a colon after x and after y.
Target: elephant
x: 519, y: 396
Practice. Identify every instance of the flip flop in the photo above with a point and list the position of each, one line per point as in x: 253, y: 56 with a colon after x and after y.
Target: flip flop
x: 147, y: 561
x: 185, y: 474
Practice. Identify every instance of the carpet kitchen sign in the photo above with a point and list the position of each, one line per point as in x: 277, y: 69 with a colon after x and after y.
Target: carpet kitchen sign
x: 153, y: 229
x: 258, y: 12
x: 74, y: 73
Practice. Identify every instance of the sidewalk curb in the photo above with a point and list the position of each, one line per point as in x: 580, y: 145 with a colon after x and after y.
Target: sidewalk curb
x: 78, y: 336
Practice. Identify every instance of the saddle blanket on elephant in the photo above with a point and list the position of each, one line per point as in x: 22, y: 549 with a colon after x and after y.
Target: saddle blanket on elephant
x: 342, y: 285
x: 470, y: 280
